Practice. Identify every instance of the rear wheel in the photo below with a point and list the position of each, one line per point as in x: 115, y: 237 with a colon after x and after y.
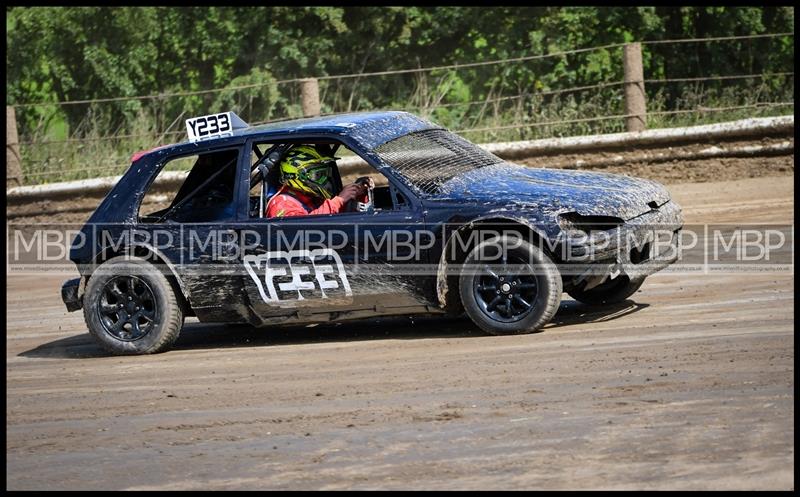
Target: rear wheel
x: 609, y: 292
x: 518, y: 292
x: 131, y: 308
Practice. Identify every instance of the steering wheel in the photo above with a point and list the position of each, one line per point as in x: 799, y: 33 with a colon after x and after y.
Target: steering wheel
x: 369, y: 205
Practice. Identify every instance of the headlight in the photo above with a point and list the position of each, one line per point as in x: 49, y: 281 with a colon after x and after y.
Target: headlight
x: 574, y: 225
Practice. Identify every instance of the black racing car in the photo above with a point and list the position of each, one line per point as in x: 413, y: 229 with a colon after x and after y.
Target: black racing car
x: 450, y: 228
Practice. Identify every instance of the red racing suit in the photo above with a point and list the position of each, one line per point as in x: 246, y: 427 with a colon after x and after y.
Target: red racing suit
x: 286, y: 204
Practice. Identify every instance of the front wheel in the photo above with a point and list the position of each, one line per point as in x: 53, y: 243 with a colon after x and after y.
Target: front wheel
x: 517, y: 292
x: 609, y: 292
x: 131, y: 308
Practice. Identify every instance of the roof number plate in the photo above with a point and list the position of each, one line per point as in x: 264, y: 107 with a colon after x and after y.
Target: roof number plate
x: 213, y: 126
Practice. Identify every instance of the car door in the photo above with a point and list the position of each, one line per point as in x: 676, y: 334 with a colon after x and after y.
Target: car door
x: 356, y: 263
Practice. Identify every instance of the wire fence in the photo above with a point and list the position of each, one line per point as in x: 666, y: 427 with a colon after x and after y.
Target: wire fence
x: 537, y: 111
x: 624, y: 116
x: 404, y: 71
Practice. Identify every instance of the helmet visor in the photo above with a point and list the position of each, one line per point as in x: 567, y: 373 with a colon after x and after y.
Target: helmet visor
x: 320, y: 173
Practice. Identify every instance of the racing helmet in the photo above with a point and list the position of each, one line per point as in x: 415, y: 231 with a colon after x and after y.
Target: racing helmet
x: 306, y: 170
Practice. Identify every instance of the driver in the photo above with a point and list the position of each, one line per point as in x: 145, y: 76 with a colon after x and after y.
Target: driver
x: 307, y: 186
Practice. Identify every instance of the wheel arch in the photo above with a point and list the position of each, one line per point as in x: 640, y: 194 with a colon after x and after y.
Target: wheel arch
x: 455, y: 253
x: 151, y: 254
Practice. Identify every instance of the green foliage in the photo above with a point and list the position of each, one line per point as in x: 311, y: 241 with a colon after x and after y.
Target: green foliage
x: 86, y: 53
x: 258, y: 97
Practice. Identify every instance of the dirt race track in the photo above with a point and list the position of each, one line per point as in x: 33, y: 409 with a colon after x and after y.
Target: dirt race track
x: 689, y: 385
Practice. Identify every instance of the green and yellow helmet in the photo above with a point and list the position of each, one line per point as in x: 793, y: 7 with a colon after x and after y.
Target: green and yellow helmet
x: 308, y: 171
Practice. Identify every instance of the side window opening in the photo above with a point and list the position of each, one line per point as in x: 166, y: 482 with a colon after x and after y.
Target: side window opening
x: 382, y: 195
x: 196, y: 188
x: 399, y: 200
x: 348, y: 169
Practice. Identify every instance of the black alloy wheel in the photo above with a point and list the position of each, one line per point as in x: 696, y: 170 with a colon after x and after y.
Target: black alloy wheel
x: 505, y: 293
x: 127, y: 308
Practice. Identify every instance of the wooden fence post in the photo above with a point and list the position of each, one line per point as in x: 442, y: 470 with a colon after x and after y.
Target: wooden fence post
x: 309, y: 95
x: 635, y: 105
x: 13, y: 166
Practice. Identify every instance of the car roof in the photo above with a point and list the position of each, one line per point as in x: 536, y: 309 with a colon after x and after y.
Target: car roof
x: 369, y: 128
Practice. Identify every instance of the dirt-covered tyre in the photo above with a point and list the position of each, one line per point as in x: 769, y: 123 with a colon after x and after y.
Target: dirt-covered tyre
x: 131, y: 308
x: 518, y: 292
x: 609, y: 292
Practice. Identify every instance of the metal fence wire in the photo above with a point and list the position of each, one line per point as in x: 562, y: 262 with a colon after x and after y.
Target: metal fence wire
x: 100, y: 142
x: 429, y: 159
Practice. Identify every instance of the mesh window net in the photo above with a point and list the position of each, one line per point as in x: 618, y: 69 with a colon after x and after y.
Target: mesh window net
x: 429, y: 159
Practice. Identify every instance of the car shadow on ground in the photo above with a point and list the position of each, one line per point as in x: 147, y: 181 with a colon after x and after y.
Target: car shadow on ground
x: 219, y: 336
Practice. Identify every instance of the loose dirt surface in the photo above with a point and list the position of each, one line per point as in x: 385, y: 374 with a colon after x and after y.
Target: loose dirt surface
x: 688, y: 385
x: 632, y: 162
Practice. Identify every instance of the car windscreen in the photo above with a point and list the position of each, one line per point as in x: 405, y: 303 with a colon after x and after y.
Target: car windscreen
x: 429, y: 159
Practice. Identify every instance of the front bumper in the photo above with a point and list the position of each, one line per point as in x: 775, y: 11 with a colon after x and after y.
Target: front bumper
x: 71, y: 294
x: 639, y: 247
